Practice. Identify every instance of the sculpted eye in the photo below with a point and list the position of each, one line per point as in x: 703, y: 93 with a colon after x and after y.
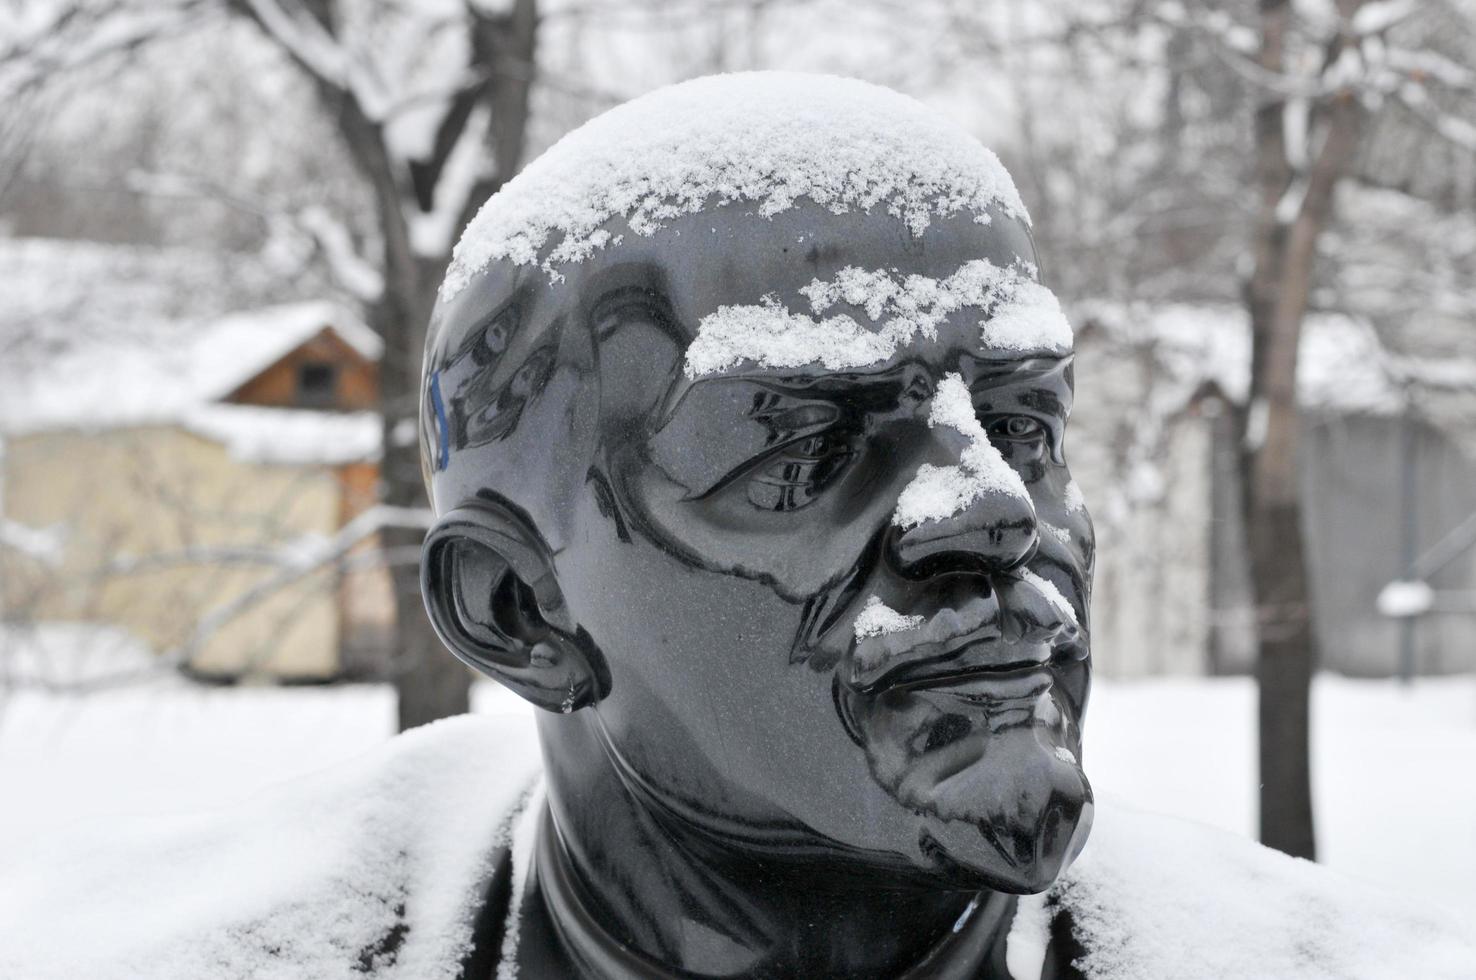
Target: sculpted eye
x: 1016, y: 428
x: 795, y: 475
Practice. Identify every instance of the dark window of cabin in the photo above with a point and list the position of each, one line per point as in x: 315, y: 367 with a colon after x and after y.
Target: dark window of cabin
x: 317, y: 384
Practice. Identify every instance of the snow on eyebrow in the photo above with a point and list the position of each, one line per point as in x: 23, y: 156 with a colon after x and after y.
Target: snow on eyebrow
x: 769, y: 138
x: 774, y: 337
x: 877, y: 618
x: 1019, y: 314
x: 939, y: 492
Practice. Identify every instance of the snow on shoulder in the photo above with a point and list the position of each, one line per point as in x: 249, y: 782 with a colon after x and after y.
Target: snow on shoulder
x: 1154, y: 896
x: 766, y: 138
x: 376, y: 868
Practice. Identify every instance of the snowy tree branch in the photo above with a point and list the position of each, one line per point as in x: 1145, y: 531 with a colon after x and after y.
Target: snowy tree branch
x: 351, y: 270
x: 332, y: 239
x: 1454, y: 129
x: 82, y: 34
x: 302, y: 37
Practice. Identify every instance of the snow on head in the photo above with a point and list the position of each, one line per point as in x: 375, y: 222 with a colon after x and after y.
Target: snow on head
x: 1018, y: 315
x: 767, y: 138
x: 939, y: 492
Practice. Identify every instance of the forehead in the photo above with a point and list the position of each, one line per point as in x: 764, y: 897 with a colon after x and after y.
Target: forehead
x: 733, y: 256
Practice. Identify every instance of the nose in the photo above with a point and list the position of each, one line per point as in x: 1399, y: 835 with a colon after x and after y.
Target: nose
x: 973, y: 514
x: 995, y: 533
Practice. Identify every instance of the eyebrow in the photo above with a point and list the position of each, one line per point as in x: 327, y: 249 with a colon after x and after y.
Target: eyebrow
x: 1025, y: 364
x: 1015, y: 369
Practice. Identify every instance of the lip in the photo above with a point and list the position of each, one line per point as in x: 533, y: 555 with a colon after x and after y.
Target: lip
x: 953, y: 648
x: 875, y: 660
x: 989, y: 669
x: 991, y: 686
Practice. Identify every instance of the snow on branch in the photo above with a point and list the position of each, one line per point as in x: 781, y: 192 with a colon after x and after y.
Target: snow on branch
x: 433, y: 231
x: 1375, y: 18
x: 356, y: 274
x: 433, y: 93
x: 1430, y: 65
x: 318, y: 52
x: 1364, y: 61
x: 1461, y: 132
x: 350, y: 269
x: 304, y: 38
x: 39, y: 41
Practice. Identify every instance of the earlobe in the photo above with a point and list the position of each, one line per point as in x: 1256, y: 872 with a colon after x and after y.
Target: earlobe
x: 489, y: 585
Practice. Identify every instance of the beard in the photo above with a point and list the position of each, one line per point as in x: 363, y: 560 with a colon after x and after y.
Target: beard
x: 990, y: 768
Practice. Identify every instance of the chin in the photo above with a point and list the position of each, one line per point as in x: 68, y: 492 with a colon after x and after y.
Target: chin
x: 1020, y: 853
x: 997, y: 789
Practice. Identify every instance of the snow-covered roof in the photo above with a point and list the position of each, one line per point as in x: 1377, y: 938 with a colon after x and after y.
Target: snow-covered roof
x: 59, y: 292
x: 767, y: 138
x: 172, y: 372
x: 235, y: 348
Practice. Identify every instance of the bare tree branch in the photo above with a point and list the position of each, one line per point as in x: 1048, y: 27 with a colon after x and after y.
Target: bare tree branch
x: 294, y: 565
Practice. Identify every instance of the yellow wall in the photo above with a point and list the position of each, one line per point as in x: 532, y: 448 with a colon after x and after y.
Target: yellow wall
x: 152, y: 496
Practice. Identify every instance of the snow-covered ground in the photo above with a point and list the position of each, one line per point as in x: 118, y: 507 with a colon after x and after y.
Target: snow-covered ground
x: 1393, y: 766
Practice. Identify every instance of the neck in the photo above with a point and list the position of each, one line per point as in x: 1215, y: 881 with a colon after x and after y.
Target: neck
x: 623, y: 874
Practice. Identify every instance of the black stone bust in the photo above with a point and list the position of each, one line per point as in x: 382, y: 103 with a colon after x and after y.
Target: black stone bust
x: 744, y: 421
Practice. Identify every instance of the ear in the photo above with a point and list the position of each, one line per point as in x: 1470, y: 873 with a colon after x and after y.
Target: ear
x: 488, y: 580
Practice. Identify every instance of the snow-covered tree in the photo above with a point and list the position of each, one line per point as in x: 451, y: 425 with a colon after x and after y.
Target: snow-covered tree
x: 1181, y: 150
x: 428, y: 104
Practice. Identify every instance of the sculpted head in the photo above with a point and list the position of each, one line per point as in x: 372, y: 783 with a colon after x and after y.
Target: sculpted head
x: 744, y: 421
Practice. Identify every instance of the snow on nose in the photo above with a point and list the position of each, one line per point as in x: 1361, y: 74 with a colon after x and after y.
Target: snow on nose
x: 939, y: 492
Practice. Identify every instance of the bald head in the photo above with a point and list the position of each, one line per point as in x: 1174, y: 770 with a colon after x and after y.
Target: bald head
x: 725, y: 369
x: 708, y: 195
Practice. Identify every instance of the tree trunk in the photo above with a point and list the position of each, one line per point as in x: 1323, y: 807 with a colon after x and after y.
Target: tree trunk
x: 1286, y: 237
x: 429, y: 682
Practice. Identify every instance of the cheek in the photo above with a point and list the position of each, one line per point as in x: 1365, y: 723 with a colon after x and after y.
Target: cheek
x: 1067, y: 539
x: 792, y: 556
x: 704, y: 701
x: 666, y: 622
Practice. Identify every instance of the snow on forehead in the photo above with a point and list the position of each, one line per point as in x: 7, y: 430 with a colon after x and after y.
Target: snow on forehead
x: 769, y: 138
x: 1019, y: 316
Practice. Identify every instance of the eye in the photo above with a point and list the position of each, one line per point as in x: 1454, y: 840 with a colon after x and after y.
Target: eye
x: 1016, y: 428
x: 794, y: 476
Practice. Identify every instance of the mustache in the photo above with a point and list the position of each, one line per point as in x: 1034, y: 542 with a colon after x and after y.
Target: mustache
x: 981, y: 625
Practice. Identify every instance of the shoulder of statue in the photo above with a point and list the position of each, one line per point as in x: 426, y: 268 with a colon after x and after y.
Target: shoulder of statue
x: 378, y: 867
x: 1159, y: 896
